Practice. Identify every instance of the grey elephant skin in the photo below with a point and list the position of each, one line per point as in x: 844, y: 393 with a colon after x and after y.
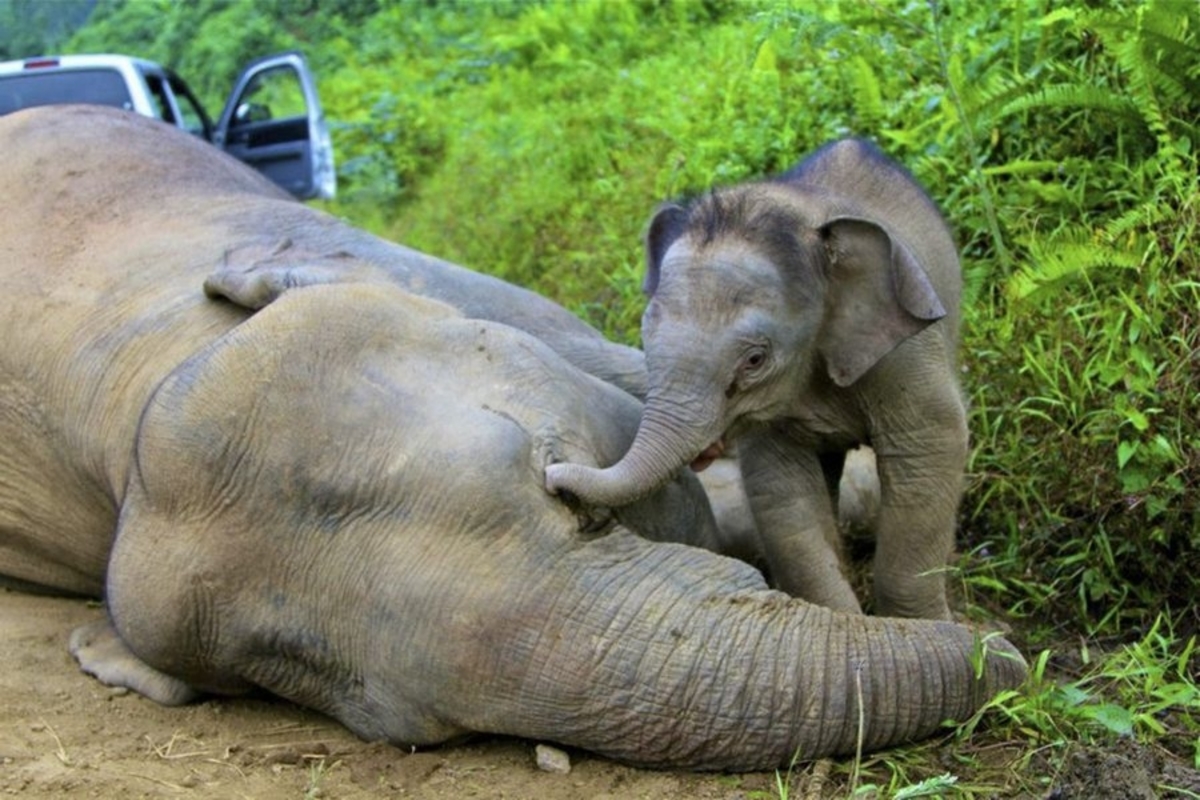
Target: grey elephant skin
x: 340, y: 498
x: 804, y: 316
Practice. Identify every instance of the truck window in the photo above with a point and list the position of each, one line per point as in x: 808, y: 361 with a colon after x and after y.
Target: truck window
x: 194, y: 118
x: 101, y: 86
x: 273, y: 95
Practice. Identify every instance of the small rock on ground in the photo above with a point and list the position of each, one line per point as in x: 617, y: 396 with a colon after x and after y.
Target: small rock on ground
x: 551, y: 759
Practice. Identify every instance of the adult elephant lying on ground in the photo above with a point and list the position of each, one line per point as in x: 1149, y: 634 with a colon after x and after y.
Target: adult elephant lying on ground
x: 340, y: 498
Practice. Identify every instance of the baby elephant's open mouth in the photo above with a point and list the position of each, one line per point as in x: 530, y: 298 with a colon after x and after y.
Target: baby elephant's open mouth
x: 708, y: 455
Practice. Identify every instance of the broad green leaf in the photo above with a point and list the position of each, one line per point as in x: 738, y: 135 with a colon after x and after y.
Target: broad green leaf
x: 1125, y: 451
x: 1113, y: 717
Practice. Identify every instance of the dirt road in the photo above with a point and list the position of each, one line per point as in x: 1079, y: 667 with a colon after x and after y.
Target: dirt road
x: 63, y: 734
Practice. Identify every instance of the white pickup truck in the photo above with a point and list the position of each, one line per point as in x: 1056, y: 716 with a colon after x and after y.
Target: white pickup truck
x: 272, y: 119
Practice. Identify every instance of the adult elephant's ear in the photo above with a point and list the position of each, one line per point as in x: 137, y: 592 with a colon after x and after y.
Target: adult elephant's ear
x: 879, y: 295
x: 668, y: 224
x: 255, y: 274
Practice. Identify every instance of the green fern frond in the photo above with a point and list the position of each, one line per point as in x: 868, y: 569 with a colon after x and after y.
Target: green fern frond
x: 1073, y: 95
x: 1068, y: 256
x: 1024, y: 167
x: 1176, y: 66
x: 1155, y: 46
x: 988, y: 101
x: 1143, y: 79
x: 868, y: 98
x: 1137, y: 219
x: 1165, y: 35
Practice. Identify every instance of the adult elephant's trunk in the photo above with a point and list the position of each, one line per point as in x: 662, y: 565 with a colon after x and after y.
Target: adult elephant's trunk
x: 671, y: 435
x: 669, y: 656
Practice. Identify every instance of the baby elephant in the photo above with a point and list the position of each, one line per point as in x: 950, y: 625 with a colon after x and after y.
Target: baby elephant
x: 804, y: 316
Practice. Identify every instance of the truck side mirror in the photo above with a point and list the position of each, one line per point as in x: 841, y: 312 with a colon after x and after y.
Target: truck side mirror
x: 251, y: 112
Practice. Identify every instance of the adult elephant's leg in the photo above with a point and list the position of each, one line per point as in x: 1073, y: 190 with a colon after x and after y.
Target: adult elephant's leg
x: 788, y: 491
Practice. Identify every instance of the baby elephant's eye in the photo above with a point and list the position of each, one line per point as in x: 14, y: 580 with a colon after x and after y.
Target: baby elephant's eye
x: 748, y: 369
x: 754, y: 359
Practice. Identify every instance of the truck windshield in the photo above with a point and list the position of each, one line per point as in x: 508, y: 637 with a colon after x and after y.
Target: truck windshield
x: 99, y: 86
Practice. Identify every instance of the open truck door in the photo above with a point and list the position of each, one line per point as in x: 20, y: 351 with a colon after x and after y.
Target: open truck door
x: 273, y: 121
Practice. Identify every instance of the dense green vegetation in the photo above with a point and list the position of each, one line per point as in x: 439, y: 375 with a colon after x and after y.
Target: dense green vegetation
x: 33, y: 27
x: 533, y: 139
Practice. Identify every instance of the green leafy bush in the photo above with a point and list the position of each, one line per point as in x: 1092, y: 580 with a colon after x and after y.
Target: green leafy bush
x: 1088, y: 415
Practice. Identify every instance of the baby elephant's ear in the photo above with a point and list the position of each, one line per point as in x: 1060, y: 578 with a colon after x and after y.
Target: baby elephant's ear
x: 668, y: 224
x: 879, y: 295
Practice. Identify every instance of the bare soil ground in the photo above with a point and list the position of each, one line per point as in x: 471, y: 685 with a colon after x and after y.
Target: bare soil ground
x: 63, y: 734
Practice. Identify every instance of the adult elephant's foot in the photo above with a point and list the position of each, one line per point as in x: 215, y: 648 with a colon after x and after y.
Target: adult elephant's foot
x: 102, y: 653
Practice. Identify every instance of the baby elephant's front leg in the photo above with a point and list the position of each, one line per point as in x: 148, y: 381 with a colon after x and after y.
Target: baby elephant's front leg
x: 919, y: 496
x: 790, y: 500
